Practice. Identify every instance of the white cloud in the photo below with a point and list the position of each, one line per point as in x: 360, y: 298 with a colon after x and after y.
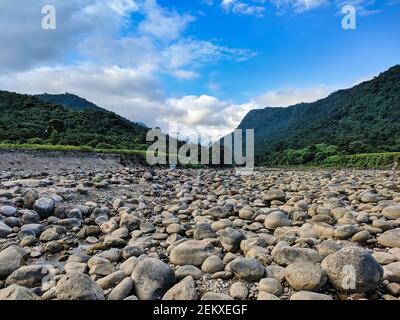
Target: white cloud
x: 162, y: 23
x: 90, y: 30
x: 123, y: 7
x: 139, y: 96
x: 259, y: 7
x: 298, y: 6
x: 241, y: 7
x: 288, y: 97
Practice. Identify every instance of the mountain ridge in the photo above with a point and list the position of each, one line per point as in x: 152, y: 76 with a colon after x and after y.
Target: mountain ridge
x: 360, y: 119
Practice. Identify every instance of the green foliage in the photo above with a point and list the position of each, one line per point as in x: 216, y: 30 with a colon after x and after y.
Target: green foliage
x: 68, y: 100
x: 370, y: 160
x: 23, y: 118
x: 363, y: 119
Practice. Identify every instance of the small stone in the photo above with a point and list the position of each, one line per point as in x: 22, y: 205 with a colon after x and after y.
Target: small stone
x: 16, y: 292
x: 44, y: 207
x: 192, y: 252
x: 345, y: 232
x: 384, y: 257
x: 276, y: 219
x: 78, y: 286
x: 270, y: 285
x: 238, y: 291
x: 122, y: 290
x: 111, y: 280
x: 392, y: 212
x: 188, y: 270
x: 216, y: 296
x: 8, y: 211
x: 392, y: 272
x: 152, y: 278
x: 28, y: 276
x: 204, y: 231
x: 128, y: 265
x: 11, y: 259
x: 230, y: 239
x: 183, y: 290
x: 212, y: 264
x: 266, y: 296
x: 5, y: 230
x: 368, y: 272
x: 304, y: 276
x: 247, y: 269
x: 307, y: 295
x: 288, y: 255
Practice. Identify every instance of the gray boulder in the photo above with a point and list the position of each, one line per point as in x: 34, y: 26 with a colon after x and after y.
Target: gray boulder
x: 352, y: 269
x: 152, y: 278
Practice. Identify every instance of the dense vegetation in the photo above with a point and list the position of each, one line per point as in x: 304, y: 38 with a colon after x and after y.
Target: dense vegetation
x: 26, y: 119
x: 68, y: 100
x: 360, y: 120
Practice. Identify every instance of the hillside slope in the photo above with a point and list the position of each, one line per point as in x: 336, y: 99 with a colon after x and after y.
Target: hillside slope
x: 363, y: 119
x: 26, y: 119
x: 68, y: 100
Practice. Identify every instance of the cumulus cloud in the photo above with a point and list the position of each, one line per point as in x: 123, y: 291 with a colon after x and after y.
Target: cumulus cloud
x: 240, y: 7
x: 288, y: 97
x: 162, y: 23
x: 89, y: 55
x: 90, y: 30
x: 259, y: 7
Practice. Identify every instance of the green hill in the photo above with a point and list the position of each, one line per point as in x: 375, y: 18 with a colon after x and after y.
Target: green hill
x: 68, y: 100
x: 27, y: 119
x: 363, y: 119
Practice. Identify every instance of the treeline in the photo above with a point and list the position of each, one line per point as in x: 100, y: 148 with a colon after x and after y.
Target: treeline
x: 26, y: 119
x: 363, y: 119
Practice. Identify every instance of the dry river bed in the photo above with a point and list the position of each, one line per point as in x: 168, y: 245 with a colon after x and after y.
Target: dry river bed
x: 141, y: 234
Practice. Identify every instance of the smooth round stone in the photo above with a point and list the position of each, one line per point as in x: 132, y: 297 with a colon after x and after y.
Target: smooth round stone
x: 212, y: 264
x: 266, y: 296
x: 44, y: 207
x: 78, y: 286
x: 305, y: 276
x: 270, y: 285
x: 238, y: 291
x: 345, y: 232
x: 8, y: 211
x: 192, y: 252
x: 216, y: 296
x: 352, y: 270
x: 247, y: 269
x: 188, y: 270
x: 152, y: 279
x: 392, y: 212
x: 384, y: 257
x: 361, y: 236
x: 184, y: 290
x: 276, y: 219
x: 175, y: 228
x: 307, y: 295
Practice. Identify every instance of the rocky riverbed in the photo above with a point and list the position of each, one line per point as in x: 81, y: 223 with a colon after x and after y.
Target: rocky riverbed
x: 138, y: 234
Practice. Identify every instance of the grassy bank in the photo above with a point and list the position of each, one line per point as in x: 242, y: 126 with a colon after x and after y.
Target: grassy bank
x: 50, y: 147
x: 366, y: 160
x: 140, y: 155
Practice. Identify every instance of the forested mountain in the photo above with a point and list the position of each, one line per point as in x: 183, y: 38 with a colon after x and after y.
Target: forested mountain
x: 27, y: 119
x: 363, y: 119
x: 68, y: 100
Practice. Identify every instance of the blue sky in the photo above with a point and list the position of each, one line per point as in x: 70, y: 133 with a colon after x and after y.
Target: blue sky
x: 293, y: 49
x: 203, y: 63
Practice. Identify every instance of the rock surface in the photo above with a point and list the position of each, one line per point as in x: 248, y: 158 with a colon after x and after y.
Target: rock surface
x: 74, y: 230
